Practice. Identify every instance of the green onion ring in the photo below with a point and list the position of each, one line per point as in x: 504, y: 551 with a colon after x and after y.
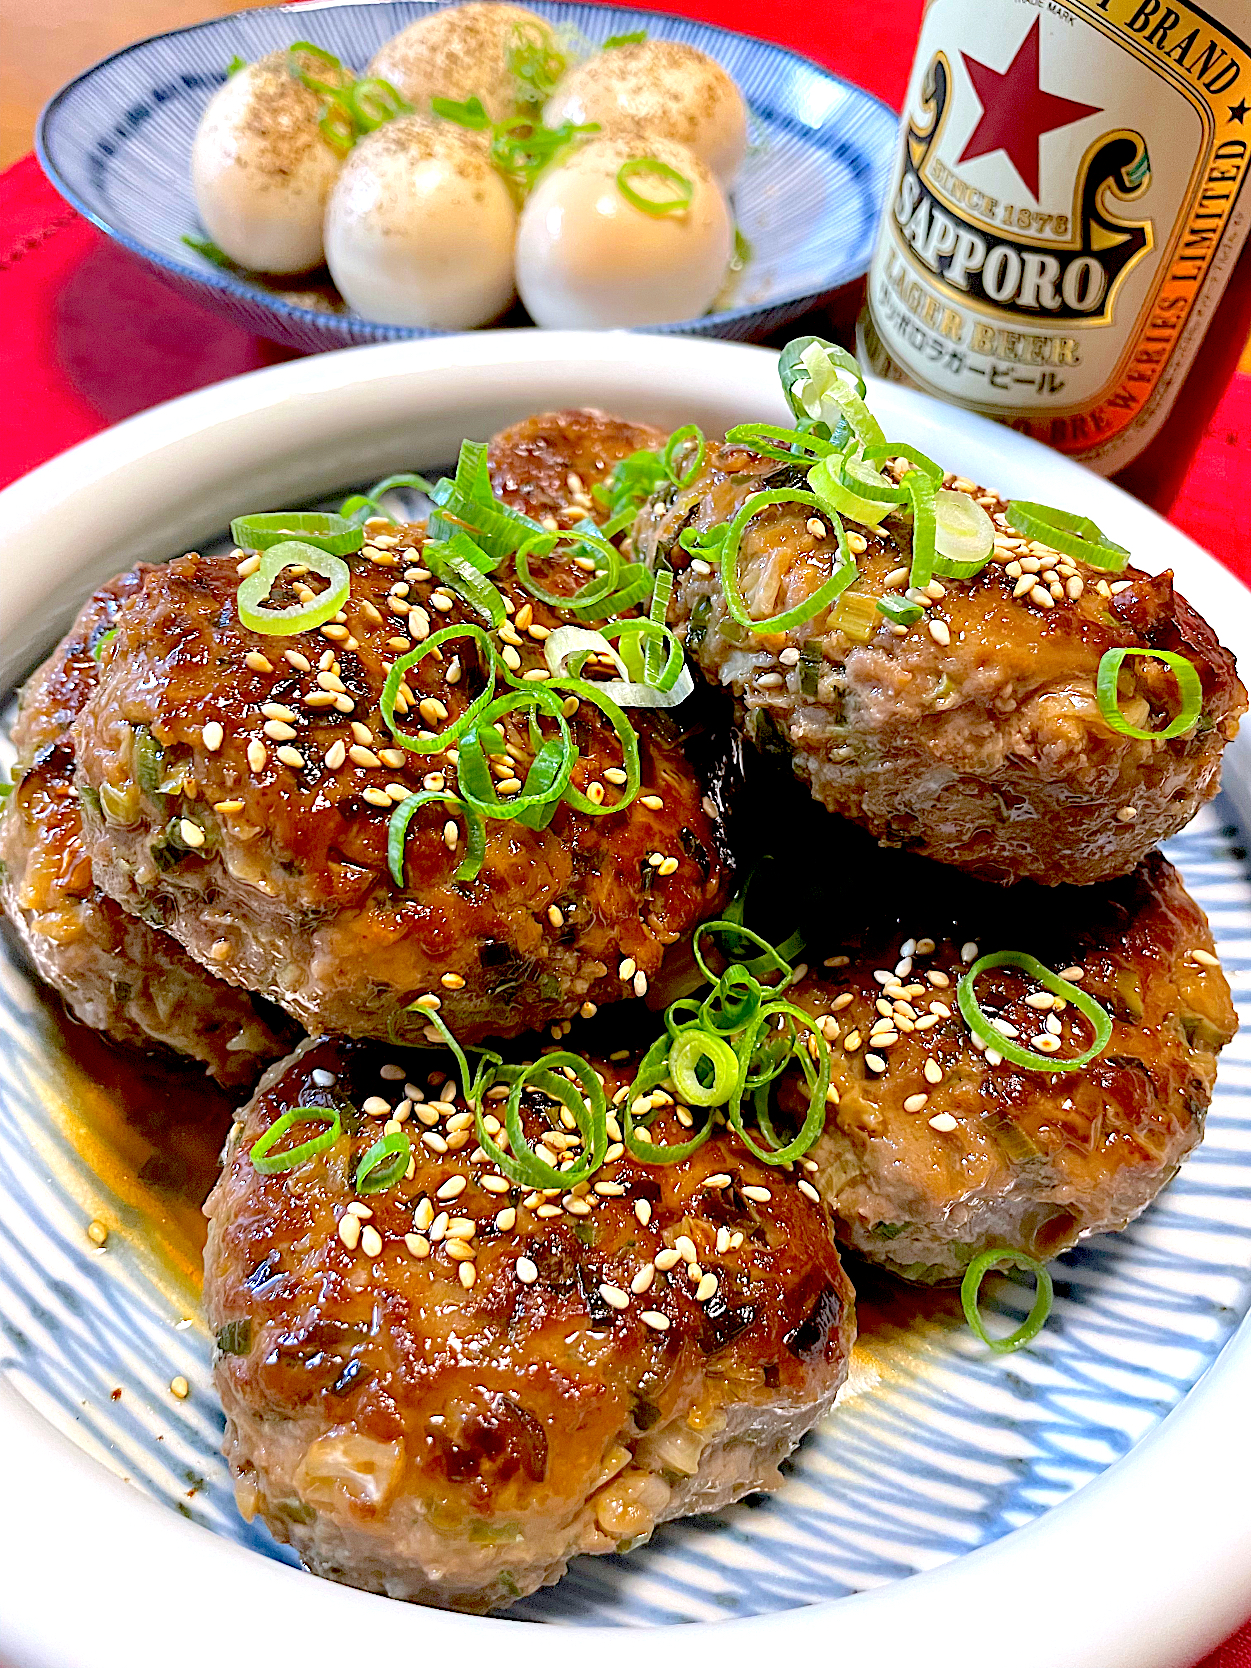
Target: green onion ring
x: 899, y: 609
x: 385, y: 1163
x: 777, y: 963
x: 963, y: 524
x: 685, y: 436
x: 650, y: 167
x: 971, y: 1285
x: 830, y: 589
x: 449, y: 736
x: 653, y: 1069
x: 721, y: 1011
x: 1073, y: 535
x: 456, y: 567
x: 299, y: 616
x: 589, y: 1110
x: 768, y: 440
x: 397, y: 834
x: 626, y: 735
x: 471, y: 113
x: 814, y: 1118
x: 320, y: 528
x: 1189, y: 687
x: 826, y: 481
x: 685, y: 1057
x: 270, y: 1163
x: 977, y: 1022
x: 476, y: 785
x: 353, y: 509
x: 374, y: 102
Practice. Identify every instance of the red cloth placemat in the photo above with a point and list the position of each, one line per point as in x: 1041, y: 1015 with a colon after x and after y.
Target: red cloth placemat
x: 91, y: 335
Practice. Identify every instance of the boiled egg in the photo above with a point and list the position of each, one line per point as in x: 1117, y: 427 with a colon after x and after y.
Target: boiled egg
x: 664, y: 89
x: 420, y: 228
x: 589, y: 256
x: 261, y: 169
x: 467, y: 52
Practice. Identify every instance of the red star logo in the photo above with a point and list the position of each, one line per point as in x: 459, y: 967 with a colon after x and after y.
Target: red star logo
x: 1016, y: 112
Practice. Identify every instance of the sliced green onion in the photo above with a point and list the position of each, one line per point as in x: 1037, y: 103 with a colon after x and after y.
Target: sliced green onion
x: 235, y: 65
x: 448, y: 737
x: 855, y: 615
x: 899, y: 610
x: 206, y: 247
x: 338, y: 129
x: 964, y: 535
x: 320, y: 528
x: 574, y: 644
x: 818, y: 1083
x: 632, y: 482
x: 397, y: 834
x: 635, y: 38
x: 340, y: 76
x: 521, y: 148
x: 658, y: 614
x: 385, y: 1163
x: 981, y: 1026
x: 467, y: 501
x: 535, y: 62
x: 651, y: 168
x: 924, y: 495
x: 589, y: 1110
x: 542, y: 786
x: 373, y: 102
x: 364, y: 506
x: 269, y: 1163
x: 971, y: 1286
x: 693, y: 1049
x: 835, y: 496
x: 462, y: 564
x: 1189, y: 688
x: 1074, y: 535
x: 844, y: 571
x: 690, y: 435
x: 470, y: 114
x: 798, y: 446
x: 600, y: 596
x: 774, y: 961
x: 97, y: 648
x: 298, y: 616
x: 653, y: 1070
x: 823, y: 381
x: 625, y: 734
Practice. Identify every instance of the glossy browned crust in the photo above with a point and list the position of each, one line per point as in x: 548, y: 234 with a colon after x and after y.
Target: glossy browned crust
x: 531, y: 461
x: 1036, y: 1159
x: 115, y: 973
x: 457, y: 1446
x: 987, y: 751
x: 290, y: 894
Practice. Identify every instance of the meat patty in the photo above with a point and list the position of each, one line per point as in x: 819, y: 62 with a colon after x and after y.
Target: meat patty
x: 265, y: 853
x: 974, y: 735
x: 115, y: 973
x: 936, y: 1149
x: 450, y: 1393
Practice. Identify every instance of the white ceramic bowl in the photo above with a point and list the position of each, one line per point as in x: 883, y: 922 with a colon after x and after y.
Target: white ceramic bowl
x: 1143, y: 1563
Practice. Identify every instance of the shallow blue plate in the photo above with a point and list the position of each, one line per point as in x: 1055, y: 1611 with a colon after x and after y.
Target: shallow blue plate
x: 116, y: 143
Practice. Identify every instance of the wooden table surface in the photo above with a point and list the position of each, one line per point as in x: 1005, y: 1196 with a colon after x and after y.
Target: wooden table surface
x: 44, y: 42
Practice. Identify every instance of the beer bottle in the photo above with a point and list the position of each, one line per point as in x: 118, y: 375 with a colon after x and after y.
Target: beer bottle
x: 1063, y: 243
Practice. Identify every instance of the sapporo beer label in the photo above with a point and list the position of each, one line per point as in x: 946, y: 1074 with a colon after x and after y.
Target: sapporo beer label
x: 1068, y: 203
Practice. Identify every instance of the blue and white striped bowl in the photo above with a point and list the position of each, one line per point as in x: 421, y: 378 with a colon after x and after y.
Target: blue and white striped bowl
x: 1085, y: 1503
x: 116, y: 143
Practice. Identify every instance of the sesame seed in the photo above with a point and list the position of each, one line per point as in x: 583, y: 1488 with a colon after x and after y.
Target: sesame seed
x: 468, y: 1274
x: 418, y: 1245
x: 640, y: 983
x: 360, y: 755
x: 851, y: 1042
x: 438, y: 1228
x: 875, y: 1062
x: 428, y: 1001
x: 190, y: 833
x: 1127, y: 813
x: 968, y: 952
x: 179, y: 1387
x: 371, y: 1242
x: 349, y: 1230
x: 291, y: 757
x: 654, y: 1319
x: 377, y: 1107
x: 527, y: 1273
x: 626, y: 970
x: 685, y: 1248
x: 248, y: 566
x: 668, y: 867
x: 452, y: 981
x: 595, y: 793
x: 933, y: 1072
x: 668, y: 1258
x: 652, y: 801
x: 97, y: 1233
x: 256, y: 662
x: 458, y: 1249
x: 643, y: 1211
x: 614, y: 1297
x: 914, y: 1103
x: 940, y: 632
x: 943, y: 1122
x: 212, y: 736
x: 706, y: 1289
x: 258, y: 757
x: 808, y: 1191
x: 816, y: 526
x: 1205, y: 958
x: 643, y: 1279
x: 1045, y: 1042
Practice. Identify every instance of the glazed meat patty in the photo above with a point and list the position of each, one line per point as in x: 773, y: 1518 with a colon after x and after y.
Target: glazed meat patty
x: 935, y: 1149
x: 115, y: 973
x: 450, y: 1393
x: 265, y: 854
x: 974, y: 735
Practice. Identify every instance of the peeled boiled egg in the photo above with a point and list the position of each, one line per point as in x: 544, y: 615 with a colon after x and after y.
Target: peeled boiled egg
x: 588, y: 256
x: 466, y: 52
x: 661, y: 88
x: 261, y: 169
x: 420, y: 228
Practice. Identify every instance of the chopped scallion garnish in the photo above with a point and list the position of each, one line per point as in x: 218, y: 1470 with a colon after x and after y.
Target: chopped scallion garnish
x: 651, y: 168
x: 1189, y: 688
x: 271, y: 1163
x: 297, y: 616
x: 990, y: 1034
x: 971, y: 1285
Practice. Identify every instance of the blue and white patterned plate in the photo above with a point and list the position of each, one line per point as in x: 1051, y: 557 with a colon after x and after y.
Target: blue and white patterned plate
x: 116, y: 143
x: 952, y: 1492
